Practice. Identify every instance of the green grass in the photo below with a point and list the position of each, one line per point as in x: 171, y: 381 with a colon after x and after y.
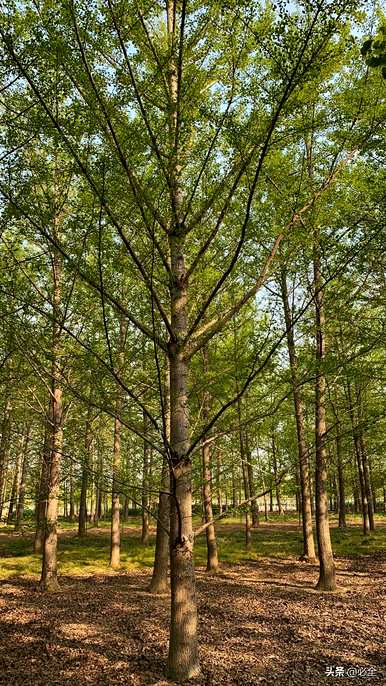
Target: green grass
x: 90, y: 555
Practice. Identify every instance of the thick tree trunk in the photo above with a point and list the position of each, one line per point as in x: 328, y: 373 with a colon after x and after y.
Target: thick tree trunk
x: 183, y: 662
x: 305, y: 486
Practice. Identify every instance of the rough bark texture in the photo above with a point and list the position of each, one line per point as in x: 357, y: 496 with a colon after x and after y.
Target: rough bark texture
x: 183, y: 661
x: 305, y: 488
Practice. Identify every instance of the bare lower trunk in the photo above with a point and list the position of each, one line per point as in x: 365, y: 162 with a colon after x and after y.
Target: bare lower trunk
x: 145, y: 487
x: 41, y: 505
x: 211, y: 543
x: 159, y: 581
x: 115, y: 540
x: 82, y: 521
x: 341, y: 488
x: 305, y: 487
x: 327, y: 581
x: 23, y: 477
x: 49, y: 576
x: 183, y: 662
x: 4, y: 450
x: 275, y: 471
x: 15, y: 484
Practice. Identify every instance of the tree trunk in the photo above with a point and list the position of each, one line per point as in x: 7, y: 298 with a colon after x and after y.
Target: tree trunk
x: 4, y: 449
x: 183, y: 662
x: 304, y: 473
x: 278, y: 489
x: 159, y: 581
x: 49, y: 576
x: 115, y: 541
x: 23, y: 477
x: 82, y: 521
x: 212, y: 563
x: 15, y: 483
x: 341, y: 488
x: 327, y: 580
x: 145, y: 486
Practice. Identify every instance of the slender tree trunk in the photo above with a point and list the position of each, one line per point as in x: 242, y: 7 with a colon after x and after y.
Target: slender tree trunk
x: 49, y: 578
x: 358, y: 454
x: 23, y: 477
x: 305, y: 486
x: 41, y: 506
x: 341, y: 487
x: 278, y: 489
x: 212, y: 562
x: 145, y: 486
x: 115, y: 541
x: 218, y: 481
x: 82, y: 518
x: 183, y: 661
x: 4, y: 449
x: 327, y: 580
x: 15, y: 483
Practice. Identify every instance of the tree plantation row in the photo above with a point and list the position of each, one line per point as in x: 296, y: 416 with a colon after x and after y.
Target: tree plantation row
x: 191, y: 276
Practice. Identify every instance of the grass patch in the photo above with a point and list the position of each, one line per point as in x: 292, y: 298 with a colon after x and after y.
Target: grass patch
x: 90, y: 555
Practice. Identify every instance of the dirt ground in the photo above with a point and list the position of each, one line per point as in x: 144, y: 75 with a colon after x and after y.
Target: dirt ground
x: 260, y: 623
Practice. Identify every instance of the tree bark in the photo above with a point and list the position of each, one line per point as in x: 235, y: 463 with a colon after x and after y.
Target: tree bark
x: 15, y: 483
x: 82, y: 517
x: 212, y: 562
x: 183, y: 662
x: 4, y: 449
x: 160, y: 581
x: 145, y: 486
x: 49, y: 577
x: 305, y: 486
x: 341, y: 485
x: 327, y: 579
x: 274, y: 461
x: 23, y: 477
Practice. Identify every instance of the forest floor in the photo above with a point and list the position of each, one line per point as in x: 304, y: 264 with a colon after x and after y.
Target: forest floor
x: 261, y: 621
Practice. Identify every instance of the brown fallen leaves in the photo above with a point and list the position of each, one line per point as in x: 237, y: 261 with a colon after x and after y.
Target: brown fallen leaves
x: 260, y: 623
